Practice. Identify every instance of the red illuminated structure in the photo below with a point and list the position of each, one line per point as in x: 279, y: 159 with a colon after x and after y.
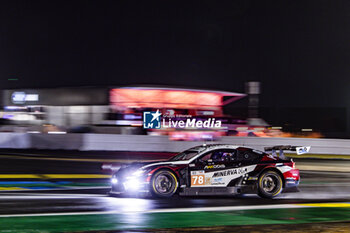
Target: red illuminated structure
x: 194, y: 101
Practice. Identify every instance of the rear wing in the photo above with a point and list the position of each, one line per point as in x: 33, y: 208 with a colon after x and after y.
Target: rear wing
x: 299, y: 149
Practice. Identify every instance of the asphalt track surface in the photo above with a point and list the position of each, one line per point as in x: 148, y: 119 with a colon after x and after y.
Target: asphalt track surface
x: 85, y: 200
x: 316, y: 187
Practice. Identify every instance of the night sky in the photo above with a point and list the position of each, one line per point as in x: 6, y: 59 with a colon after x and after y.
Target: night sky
x: 299, y: 50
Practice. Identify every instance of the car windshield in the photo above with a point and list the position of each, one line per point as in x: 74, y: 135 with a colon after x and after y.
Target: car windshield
x: 186, y: 155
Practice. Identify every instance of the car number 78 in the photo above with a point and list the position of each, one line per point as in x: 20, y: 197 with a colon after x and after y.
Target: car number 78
x: 197, y: 180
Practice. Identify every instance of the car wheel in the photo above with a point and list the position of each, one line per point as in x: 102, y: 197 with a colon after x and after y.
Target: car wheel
x: 270, y: 184
x: 164, y: 184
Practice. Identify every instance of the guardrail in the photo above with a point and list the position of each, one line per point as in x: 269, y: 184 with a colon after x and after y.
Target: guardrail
x: 114, y: 142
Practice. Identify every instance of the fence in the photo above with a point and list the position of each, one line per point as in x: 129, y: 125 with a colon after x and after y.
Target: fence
x: 117, y: 142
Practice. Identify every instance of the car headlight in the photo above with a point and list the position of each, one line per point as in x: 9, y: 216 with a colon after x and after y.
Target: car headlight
x: 132, y: 184
x: 114, y: 180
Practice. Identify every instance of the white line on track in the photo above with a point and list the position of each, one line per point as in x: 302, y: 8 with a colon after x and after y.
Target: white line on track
x: 47, y: 196
x: 171, y: 210
x: 326, y: 185
x: 67, y: 188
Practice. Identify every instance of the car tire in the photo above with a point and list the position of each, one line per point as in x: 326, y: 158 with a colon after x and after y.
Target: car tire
x: 270, y: 184
x: 164, y: 184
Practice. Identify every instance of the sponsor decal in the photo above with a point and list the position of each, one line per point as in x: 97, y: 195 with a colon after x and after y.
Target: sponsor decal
x: 201, y: 172
x: 207, y: 180
x: 302, y: 149
x: 214, y: 166
x: 252, y: 178
x: 217, y: 181
x: 230, y: 172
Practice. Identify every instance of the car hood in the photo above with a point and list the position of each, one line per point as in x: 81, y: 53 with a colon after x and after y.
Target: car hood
x: 155, y: 163
x: 126, y: 170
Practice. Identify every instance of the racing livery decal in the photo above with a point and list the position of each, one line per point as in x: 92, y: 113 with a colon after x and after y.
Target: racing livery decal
x: 235, y: 171
x: 219, y: 178
x: 214, y: 169
x: 214, y: 166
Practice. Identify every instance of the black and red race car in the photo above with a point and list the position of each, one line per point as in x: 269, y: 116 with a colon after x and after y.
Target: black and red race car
x: 213, y: 169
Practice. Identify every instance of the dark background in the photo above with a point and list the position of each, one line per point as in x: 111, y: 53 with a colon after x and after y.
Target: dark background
x: 299, y: 50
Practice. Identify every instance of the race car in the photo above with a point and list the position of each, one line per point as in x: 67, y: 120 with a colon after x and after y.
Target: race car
x: 213, y: 169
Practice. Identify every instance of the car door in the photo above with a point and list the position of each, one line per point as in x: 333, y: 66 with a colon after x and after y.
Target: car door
x: 204, y: 170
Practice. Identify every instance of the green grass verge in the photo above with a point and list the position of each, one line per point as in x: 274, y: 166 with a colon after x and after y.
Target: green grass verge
x: 171, y: 220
